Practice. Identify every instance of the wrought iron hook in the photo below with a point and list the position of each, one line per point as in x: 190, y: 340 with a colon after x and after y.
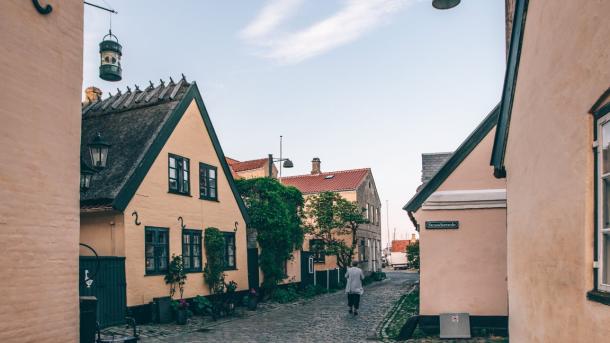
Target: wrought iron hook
x: 182, y: 226
x: 137, y: 222
x: 44, y: 10
x: 235, y: 230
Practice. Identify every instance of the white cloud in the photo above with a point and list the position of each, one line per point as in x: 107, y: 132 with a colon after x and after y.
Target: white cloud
x: 271, y: 16
x: 351, y: 22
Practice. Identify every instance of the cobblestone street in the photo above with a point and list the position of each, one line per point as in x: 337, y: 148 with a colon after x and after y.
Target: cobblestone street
x: 324, y: 319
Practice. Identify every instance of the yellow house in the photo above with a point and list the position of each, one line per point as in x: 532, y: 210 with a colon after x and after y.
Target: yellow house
x: 551, y: 148
x: 355, y: 185
x: 460, y: 214
x: 41, y: 64
x: 165, y: 181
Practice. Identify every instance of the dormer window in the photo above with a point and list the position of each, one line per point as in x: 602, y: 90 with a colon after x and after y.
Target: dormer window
x: 179, y: 175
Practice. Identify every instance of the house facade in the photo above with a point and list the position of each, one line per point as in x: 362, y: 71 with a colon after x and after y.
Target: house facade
x: 252, y: 168
x: 41, y: 64
x: 460, y: 214
x: 165, y: 181
x: 551, y: 149
x: 355, y: 185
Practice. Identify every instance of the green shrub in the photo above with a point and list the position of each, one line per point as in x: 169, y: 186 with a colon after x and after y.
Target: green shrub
x: 202, y: 305
x: 285, y: 295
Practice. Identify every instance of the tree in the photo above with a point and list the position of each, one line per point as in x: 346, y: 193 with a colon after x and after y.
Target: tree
x: 413, y: 255
x: 213, y: 272
x: 176, y: 276
x: 330, y: 218
x: 275, y: 212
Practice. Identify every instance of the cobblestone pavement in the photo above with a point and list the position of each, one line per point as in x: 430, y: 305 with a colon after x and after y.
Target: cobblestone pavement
x: 324, y: 319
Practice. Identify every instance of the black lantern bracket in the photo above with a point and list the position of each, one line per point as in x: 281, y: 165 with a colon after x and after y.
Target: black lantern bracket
x: 44, y: 10
x: 136, y: 221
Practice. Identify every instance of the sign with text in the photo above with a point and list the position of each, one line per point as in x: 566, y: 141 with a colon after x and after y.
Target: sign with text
x: 442, y: 224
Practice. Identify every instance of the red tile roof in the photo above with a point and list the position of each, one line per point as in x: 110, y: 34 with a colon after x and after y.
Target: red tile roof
x: 238, y: 166
x: 400, y: 246
x: 343, y: 180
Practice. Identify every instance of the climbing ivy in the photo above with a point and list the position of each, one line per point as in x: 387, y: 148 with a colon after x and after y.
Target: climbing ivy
x: 213, y: 272
x: 276, y: 213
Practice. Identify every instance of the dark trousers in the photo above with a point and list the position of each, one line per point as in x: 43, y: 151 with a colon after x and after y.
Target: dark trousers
x: 353, y: 299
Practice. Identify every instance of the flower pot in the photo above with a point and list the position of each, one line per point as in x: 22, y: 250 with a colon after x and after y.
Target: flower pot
x: 252, y: 303
x: 181, y: 316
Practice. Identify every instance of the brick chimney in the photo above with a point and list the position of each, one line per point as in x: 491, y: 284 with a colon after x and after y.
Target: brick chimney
x: 93, y: 94
x: 315, y: 166
x: 413, y: 238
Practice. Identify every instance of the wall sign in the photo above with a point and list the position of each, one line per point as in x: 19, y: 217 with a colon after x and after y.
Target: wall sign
x: 442, y: 224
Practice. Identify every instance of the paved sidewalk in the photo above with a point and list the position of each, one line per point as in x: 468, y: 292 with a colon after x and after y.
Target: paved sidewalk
x: 324, y: 319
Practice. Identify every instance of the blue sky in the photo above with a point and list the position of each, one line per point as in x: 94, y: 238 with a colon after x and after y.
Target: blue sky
x: 357, y: 83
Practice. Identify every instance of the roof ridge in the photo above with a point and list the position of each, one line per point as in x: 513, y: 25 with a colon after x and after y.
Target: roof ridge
x: 327, y: 173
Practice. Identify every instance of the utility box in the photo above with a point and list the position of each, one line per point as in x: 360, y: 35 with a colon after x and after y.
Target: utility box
x: 455, y: 325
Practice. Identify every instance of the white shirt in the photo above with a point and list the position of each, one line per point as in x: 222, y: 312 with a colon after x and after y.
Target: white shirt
x: 354, y: 278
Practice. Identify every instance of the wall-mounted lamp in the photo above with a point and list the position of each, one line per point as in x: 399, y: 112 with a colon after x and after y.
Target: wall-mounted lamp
x: 98, y: 149
x: 86, y: 174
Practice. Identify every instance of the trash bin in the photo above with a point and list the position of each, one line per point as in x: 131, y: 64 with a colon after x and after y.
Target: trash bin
x: 88, y: 319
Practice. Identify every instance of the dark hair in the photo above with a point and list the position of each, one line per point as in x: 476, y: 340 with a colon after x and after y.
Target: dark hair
x: 354, y: 263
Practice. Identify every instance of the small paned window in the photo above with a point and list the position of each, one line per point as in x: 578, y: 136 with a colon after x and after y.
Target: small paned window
x: 362, y: 250
x: 191, y: 250
x: 604, y: 204
x: 230, y: 250
x: 316, y: 246
x: 156, y: 247
x: 208, y: 185
x: 178, y: 174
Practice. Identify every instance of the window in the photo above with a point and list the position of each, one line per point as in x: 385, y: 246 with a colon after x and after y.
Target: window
x: 156, y: 249
x: 362, y: 250
x: 208, y: 187
x: 603, y: 237
x: 230, y: 250
x: 316, y: 246
x: 179, y: 175
x: 191, y: 250
x: 374, y: 222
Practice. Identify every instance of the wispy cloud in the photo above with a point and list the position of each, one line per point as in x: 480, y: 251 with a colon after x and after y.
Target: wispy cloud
x: 353, y: 20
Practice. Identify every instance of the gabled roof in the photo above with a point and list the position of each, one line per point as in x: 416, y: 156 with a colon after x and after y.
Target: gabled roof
x: 454, y: 161
x: 508, y: 92
x: 137, y: 124
x: 343, y: 180
x: 239, y: 166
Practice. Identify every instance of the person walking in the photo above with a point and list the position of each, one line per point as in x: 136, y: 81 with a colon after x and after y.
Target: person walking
x: 353, y: 287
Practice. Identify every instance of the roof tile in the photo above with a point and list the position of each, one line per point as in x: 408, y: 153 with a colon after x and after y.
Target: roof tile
x: 343, y: 180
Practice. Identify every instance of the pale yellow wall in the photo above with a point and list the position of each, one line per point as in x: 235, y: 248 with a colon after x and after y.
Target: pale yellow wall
x: 293, y: 269
x: 41, y: 68
x: 157, y: 207
x: 475, y: 172
x: 259, y: 172
x: 464, y: 270
x: 104, y: 232
x: 565, y: 67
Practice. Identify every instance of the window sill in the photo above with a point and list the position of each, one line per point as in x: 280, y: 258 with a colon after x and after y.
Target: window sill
x: 230, y: 269
x: 193, y: 271
x: 599, y: 296
x: 178, y: 193
x: 155, y: 274
x: 319, y: 262
x: 209, y: 199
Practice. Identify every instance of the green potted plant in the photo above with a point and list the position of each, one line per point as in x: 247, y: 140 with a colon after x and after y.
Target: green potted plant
x: 181, y: 308
x: 252, y: 300
x: 176, y: 278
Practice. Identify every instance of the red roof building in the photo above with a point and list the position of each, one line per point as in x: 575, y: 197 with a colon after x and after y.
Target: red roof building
x: 250, y: 169
x: 337, y: 181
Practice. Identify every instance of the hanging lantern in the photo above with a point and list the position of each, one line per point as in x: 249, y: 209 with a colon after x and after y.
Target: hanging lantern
x: 98, y: 149
x: 110, y: 54
x: 86, y: 174
x: 445, y: 4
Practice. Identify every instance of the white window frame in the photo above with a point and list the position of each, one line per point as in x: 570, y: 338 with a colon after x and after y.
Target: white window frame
x: 600, y: 204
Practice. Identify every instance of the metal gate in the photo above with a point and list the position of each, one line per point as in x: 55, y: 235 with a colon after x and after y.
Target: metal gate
x: 108, y: 286
x: 307, y: 268
x: 253, y: 280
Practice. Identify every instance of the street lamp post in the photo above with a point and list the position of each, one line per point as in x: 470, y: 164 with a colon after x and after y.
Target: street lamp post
x: 445, y: 4
x: 287, y: 162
